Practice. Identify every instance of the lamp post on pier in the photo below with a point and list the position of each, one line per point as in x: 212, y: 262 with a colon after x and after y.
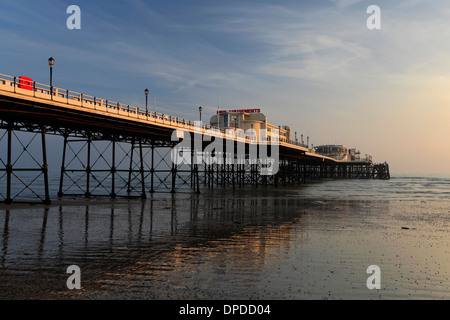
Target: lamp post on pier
x: 200, y: 111
x: 146, y: 102
x: 51, y: 63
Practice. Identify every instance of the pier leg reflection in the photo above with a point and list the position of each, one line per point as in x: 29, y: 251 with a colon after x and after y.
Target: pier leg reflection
x: 5, y: 238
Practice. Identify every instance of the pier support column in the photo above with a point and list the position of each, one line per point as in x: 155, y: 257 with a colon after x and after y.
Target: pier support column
x: 63, y: 165
x: 197, y: 178
x: 113, y: 170
x: 141, y: 170
x: 152, y: 170
x: 45, y: 166
x: 131, y: 165
x: 8, y: 199
x: 174, y: 176
x: 88, y: 165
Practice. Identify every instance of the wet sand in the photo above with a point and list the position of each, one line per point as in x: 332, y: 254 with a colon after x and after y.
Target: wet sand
x: 226, y: 245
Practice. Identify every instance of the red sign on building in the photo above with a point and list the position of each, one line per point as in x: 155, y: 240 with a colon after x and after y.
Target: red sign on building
x: 241, y: 111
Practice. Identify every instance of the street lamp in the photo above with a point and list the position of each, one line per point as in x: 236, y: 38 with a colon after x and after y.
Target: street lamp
x: 200, y: 110
x: 51, y: 63
x: 146, y: 101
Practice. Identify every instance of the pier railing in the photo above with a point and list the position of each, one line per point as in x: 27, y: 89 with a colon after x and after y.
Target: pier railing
x: 44, y: 91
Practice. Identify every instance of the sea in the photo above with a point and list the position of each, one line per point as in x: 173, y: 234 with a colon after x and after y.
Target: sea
x: 323, y: 240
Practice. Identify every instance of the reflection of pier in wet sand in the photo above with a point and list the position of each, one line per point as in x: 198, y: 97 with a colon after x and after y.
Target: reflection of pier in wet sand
x: 123, y: 243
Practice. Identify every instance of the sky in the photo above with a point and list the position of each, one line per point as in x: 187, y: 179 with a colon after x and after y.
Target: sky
x: 314, y: 66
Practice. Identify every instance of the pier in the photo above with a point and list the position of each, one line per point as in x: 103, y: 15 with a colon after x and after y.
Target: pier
x: 111, y: 149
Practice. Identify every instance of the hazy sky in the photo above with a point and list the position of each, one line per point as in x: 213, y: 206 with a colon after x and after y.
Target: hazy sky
x: 311, y: 65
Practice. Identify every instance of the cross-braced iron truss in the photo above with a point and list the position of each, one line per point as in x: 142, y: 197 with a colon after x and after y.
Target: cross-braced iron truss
x: 98, y: 163
x: 22, y: 169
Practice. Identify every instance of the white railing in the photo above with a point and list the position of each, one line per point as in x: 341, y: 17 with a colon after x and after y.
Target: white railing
x: 39, y: 90
x: 43, y: 91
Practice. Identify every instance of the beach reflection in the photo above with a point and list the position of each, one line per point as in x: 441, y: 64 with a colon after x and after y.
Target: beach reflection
x: 137, y: 247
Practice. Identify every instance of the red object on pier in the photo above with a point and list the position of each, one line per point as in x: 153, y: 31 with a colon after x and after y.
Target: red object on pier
x: 25, y: 83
